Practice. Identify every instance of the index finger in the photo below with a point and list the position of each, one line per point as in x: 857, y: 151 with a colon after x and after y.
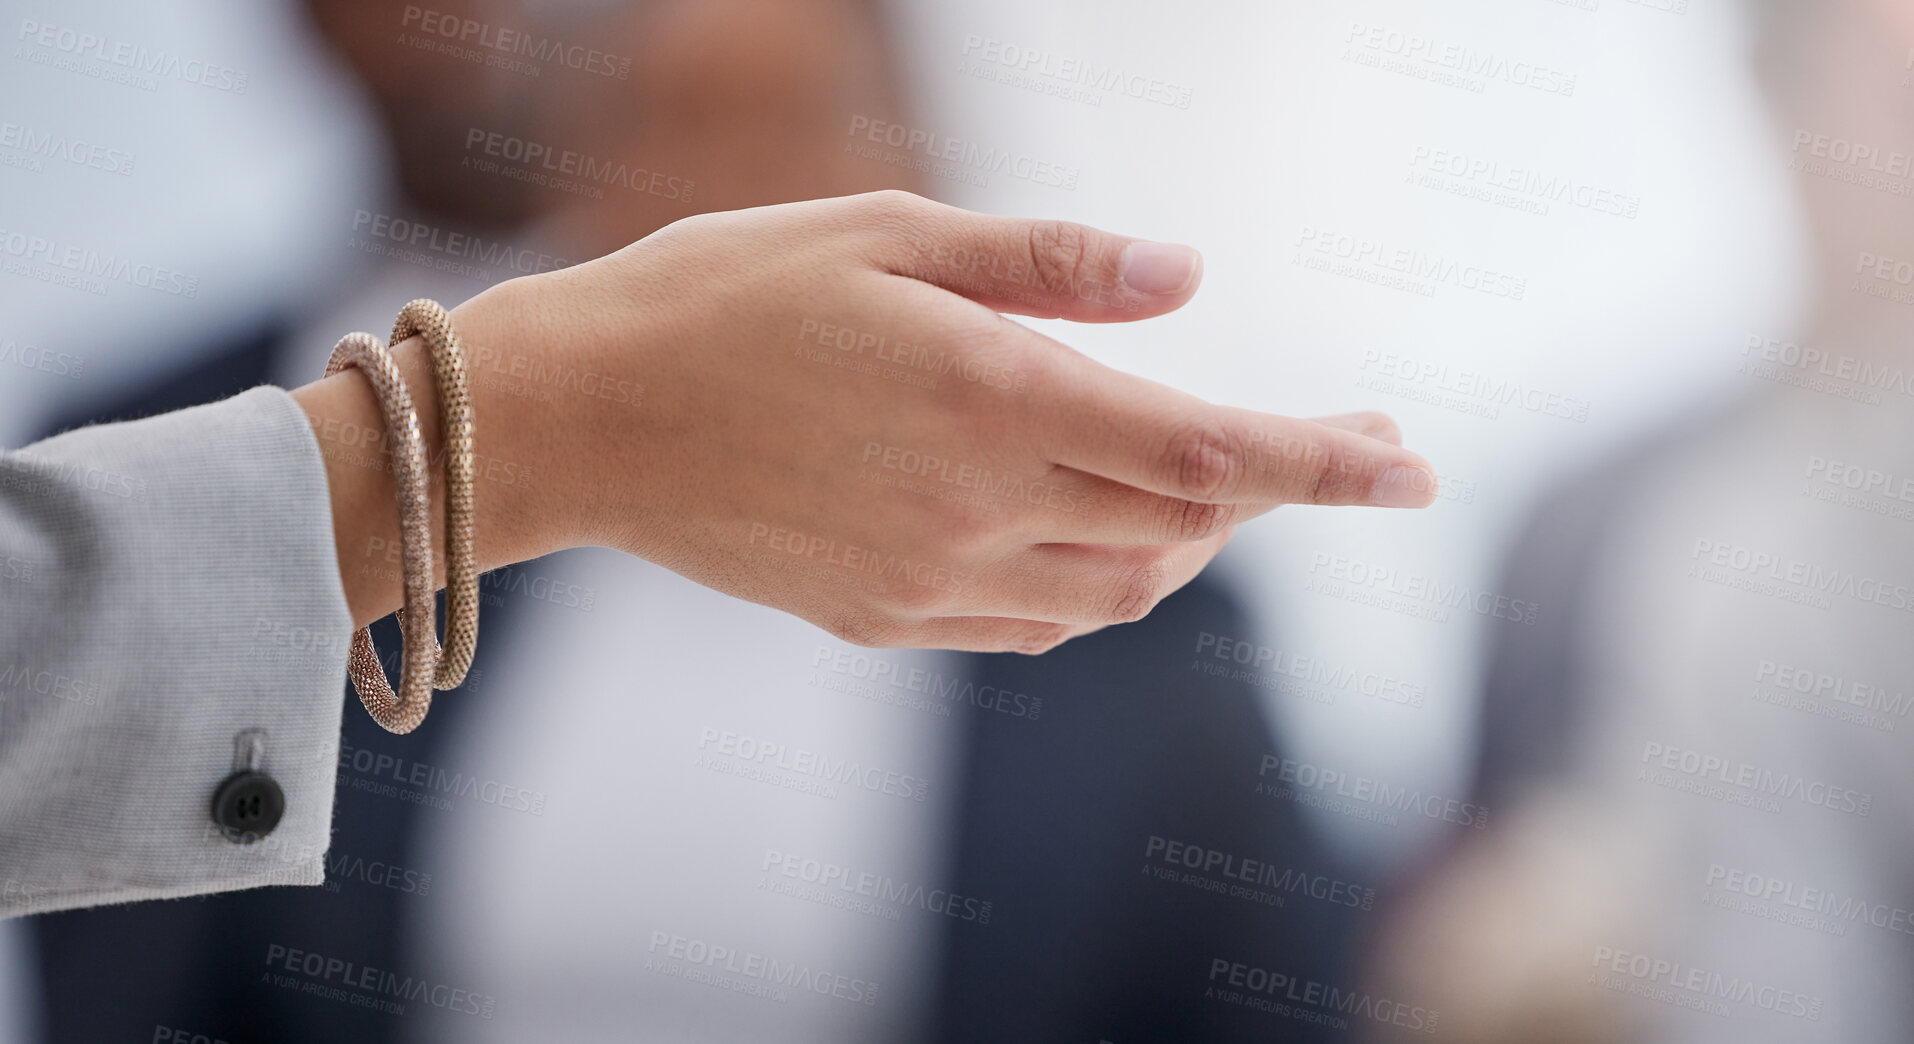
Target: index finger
x: 1043, y: 268
x: 1153, y: 437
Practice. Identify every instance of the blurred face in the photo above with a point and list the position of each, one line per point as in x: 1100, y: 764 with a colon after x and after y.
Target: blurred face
x: 1842, y: 81
x: 428, y: 102
x: 699, y: 105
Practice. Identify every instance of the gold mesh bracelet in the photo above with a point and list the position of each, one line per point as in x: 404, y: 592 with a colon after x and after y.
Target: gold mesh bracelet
x: 403, y: 712
x: 431, y: 322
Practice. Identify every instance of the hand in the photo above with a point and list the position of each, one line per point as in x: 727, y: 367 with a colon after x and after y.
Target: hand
x: 824, y: 412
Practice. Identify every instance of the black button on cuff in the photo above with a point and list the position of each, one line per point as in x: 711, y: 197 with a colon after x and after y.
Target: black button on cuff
x: 247, y: 806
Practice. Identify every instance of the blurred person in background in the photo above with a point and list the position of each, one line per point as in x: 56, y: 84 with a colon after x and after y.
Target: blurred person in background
x: 1703, y: 755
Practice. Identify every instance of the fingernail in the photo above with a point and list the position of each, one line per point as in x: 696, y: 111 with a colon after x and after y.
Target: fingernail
x: 1157, y: 268
x: 1403, y: 486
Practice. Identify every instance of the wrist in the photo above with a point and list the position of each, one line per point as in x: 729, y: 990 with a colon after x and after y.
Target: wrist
x: 517, y: 515
x: 577, y: 375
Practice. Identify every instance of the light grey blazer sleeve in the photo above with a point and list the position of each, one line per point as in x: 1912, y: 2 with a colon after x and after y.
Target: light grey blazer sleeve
x: 165, y: 584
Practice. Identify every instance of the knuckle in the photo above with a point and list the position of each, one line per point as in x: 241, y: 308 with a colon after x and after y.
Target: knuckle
x: 968, y: 530
x: 863, y: 629
x: 892, y: 203
x: 1191, y: 520
x: 1204, y: 462
x: 887, y: 215
x: 1336, y: 475
x: 691, y: 225
x: 1378, y: 425
x: 1137, y: 593
x: 914, y: 598
x: 1059, y: 253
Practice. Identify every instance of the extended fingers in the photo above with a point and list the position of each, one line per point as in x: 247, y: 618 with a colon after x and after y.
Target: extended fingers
x: 1155, y: 438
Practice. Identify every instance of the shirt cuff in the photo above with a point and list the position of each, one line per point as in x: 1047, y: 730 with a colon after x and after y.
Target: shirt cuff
x: 181, y: 587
